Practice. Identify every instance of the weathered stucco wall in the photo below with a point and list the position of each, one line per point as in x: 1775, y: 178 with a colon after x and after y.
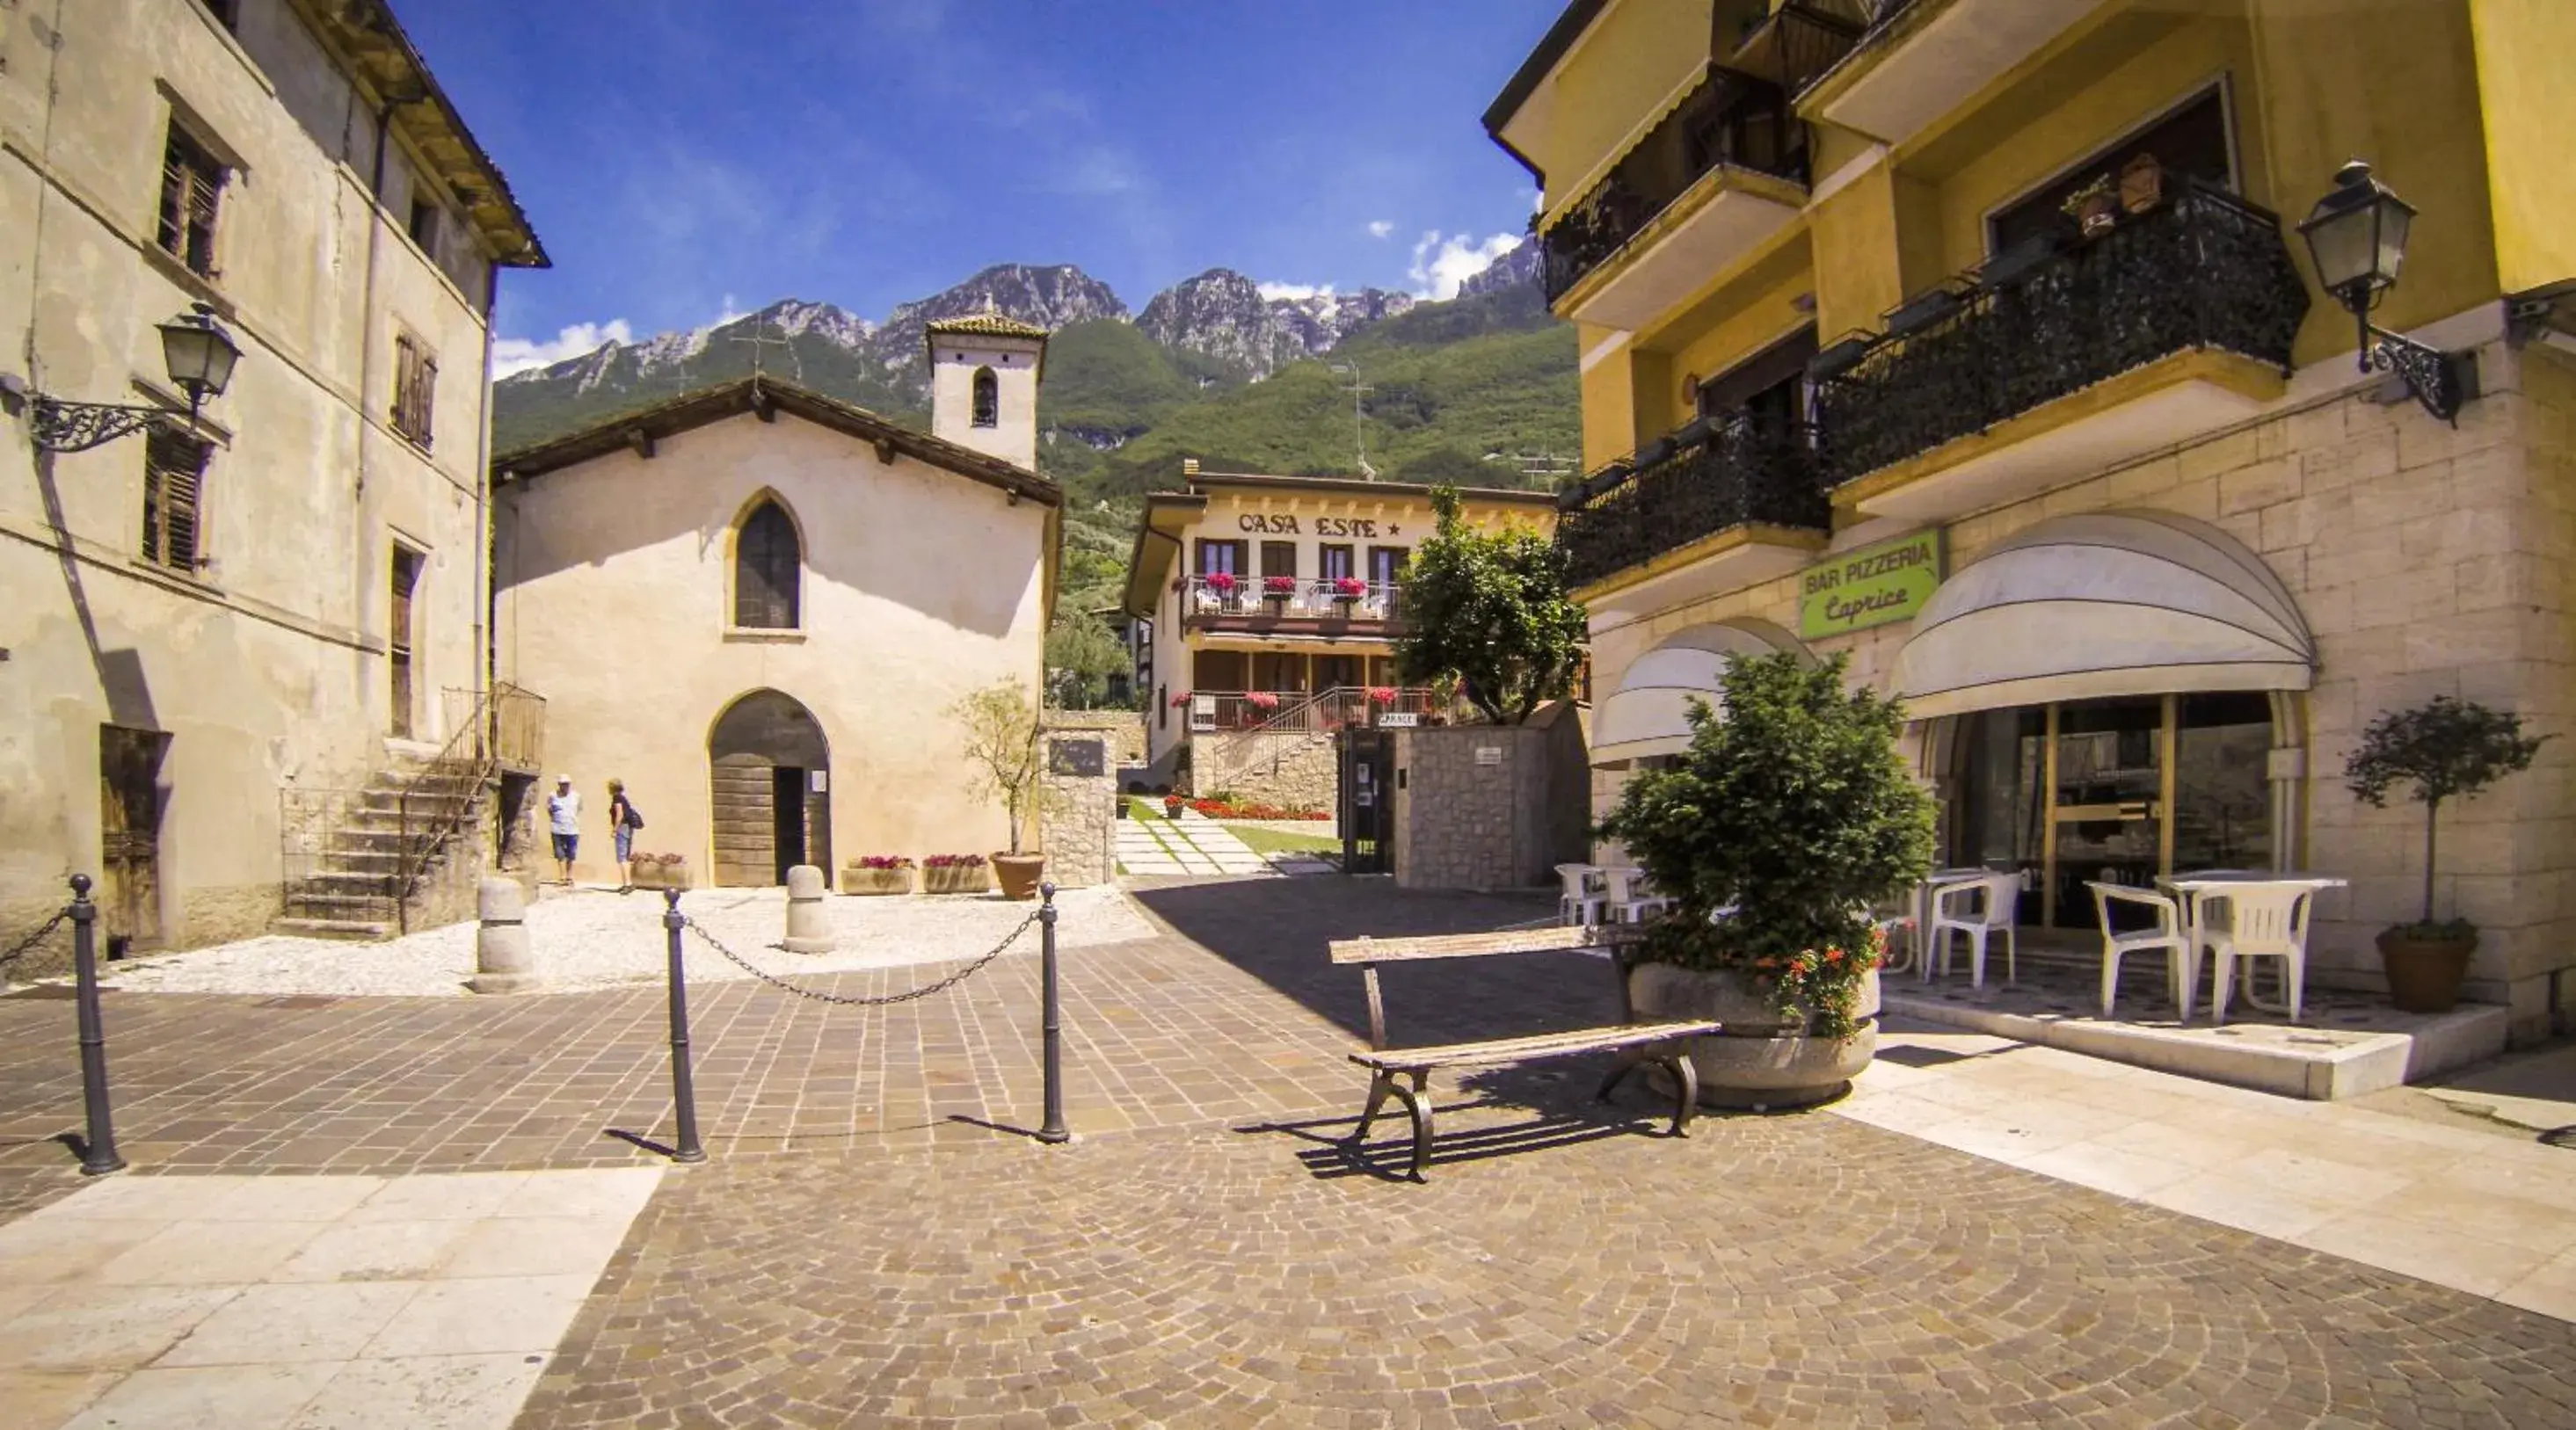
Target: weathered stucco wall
x: 920, y: 586
x: 1488, y: 807
x: 266, y: 665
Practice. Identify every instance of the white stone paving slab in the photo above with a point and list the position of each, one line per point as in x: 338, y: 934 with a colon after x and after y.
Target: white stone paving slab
x: 427, y: 1301
x: 2470, y: 1209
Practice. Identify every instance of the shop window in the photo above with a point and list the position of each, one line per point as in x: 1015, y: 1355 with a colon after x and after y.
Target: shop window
x: 767, y: 571
x: 174, y: 478
x: 2190, y: 142
x: 192, y: 186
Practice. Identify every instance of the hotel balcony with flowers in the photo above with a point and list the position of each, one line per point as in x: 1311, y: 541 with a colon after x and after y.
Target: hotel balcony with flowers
x: 1267, y: 611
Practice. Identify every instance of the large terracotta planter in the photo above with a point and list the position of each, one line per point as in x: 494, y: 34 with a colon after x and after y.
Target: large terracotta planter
x: 2424, y: 974
x: 1019, y: 874
x: 955, y: 879
x: 860, y: 879
x: 1762, y: 1060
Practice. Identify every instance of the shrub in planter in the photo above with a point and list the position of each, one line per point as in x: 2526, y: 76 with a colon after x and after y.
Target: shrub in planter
x: 1001, y: 726
x: 1793, y: 809
x: 955, y: 874
x: 2443, y: 748
x: 877, y: 874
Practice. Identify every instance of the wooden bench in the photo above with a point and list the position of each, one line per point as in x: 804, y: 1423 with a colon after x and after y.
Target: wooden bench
x: 1635, y: 1042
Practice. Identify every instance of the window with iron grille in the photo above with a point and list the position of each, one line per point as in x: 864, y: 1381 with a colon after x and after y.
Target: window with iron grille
x: 415, y: 389
x: 767, y: 571
x: 192, y: 184
x: 174, y: 478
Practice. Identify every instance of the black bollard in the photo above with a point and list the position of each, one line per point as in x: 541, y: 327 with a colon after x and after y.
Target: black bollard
x: 684, y: 1095
x: 1052, y: 1130
x: 98, y: 1153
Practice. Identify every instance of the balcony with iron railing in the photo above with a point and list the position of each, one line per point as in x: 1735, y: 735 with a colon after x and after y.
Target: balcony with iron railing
x: 1725, y: 169
x: 1716, y: 505
x: 1290, y: 606
x: 2063, y: 355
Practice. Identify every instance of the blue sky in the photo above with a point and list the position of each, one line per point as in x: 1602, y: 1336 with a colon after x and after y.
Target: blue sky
x: 683, y: 159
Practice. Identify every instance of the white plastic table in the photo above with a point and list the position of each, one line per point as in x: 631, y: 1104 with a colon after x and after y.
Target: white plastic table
x: 2196, y: 889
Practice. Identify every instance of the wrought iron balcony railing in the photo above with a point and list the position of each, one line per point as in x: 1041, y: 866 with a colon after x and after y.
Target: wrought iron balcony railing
x: 2203, y: 270
x: 1289, y: 598
x: 1731, y: 120
x: 1745, y: 473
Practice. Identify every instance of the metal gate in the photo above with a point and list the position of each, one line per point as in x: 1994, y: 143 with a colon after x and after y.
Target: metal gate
x: 1366, y: 802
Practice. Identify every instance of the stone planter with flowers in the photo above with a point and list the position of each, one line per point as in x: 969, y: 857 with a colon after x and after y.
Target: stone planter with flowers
x: 661, y: 871
x: 877, y: 874
x: 1779, y: 827
x: 956, y: 874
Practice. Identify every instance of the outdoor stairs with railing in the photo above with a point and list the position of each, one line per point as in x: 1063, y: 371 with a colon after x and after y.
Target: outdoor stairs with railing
x: 353, y: 887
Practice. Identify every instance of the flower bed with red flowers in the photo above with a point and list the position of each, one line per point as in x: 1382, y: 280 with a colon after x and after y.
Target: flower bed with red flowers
x: 952, y: 861
x: 1222, y: 809
x: 882, y: 861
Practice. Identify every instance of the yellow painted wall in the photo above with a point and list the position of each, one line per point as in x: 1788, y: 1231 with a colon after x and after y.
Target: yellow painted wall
x: 2394, y: 82
x: 1609, y: 403
x: 1853, y: 239
x: 1730, y: 325
x: 2526, y: 52
x: 1633, y: 58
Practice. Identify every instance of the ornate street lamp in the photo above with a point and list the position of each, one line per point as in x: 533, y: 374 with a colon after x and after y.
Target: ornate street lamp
x: 2357, y: 239
x: 199, y: 355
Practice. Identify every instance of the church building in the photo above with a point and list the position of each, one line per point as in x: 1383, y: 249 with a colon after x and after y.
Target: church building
x: 756, y: 605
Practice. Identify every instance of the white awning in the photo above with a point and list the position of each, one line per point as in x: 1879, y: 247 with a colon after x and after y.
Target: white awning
x: 1649, y: 714
x: 2103, y: 604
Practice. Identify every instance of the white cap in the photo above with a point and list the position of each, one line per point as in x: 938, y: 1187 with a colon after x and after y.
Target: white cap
x: 563, y: 779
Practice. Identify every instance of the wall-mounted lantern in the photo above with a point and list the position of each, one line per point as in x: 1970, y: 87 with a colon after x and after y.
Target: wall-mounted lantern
x: 2357, y: 239
x: 199, y: 356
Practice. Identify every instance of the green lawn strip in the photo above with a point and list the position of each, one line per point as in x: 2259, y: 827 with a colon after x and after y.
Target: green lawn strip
x: 1282, y: 841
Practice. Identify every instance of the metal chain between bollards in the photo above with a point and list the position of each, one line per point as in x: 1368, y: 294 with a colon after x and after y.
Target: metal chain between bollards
x: 39, y: 936
x: 852, y: 1000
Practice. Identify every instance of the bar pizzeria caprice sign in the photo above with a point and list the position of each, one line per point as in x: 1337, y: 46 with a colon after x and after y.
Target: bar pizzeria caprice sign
x: 1870, y: 587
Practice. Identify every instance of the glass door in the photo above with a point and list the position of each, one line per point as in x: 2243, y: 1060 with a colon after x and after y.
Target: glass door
x: 2107, y: 792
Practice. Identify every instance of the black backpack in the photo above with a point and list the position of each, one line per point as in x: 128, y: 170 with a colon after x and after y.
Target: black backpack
x: 634, y: 818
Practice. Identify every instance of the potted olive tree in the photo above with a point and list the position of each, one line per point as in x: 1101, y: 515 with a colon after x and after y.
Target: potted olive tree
x: 2443, y: 748
x: 1773, y: 833
x: 1001, y: 726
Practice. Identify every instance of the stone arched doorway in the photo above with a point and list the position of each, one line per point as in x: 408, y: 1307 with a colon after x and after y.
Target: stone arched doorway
x: 769, y: 773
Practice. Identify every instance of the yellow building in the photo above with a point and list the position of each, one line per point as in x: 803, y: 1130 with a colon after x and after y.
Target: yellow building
x: 1266, y: 611
x: 252, y: 627
x: 1975, y: 339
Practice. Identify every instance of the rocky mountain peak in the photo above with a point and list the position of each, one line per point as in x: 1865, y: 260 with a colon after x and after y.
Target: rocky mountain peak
x: 1050, y: 296
x: 1224, y: 315
x: 1521, y: 265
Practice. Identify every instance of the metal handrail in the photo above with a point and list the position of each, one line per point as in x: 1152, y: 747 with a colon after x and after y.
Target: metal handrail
x: 466, y: 762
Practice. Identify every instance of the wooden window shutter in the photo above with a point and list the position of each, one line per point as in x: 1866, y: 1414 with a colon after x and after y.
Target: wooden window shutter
x: 415, y: 389
x: 192, y: 182
x: 767, y: 571
x: 174, y: 472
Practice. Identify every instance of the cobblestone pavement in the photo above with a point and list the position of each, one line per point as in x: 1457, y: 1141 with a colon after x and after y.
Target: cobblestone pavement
x: 1159, y: 1033
x: 866, y: 1249
x: 1557, y: 1269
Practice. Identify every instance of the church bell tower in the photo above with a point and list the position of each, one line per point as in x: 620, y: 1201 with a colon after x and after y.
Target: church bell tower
x: 984, y: 371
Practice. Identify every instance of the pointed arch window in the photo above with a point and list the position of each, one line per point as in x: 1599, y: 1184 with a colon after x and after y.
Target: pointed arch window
x: 988, y: 398
x: 767, y: 570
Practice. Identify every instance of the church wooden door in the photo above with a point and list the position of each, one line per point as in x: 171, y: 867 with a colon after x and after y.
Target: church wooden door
x: 770, y: 791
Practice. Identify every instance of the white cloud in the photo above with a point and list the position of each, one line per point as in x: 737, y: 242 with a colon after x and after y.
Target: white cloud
x: 1300, y: 291
x: 731, y: 312
x: 1380, y: 228
x: 1442, y: 262
x: 511, y: 355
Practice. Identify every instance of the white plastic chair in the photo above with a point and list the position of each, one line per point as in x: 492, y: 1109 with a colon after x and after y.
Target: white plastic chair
x: 1628, y: 898
x: 2264, y: 920
x: 1996, y: 897
x: 2182, y: 969
x: 1577, y: 906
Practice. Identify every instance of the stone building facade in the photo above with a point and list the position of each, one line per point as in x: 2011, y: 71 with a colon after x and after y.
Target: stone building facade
x: 275, y: 598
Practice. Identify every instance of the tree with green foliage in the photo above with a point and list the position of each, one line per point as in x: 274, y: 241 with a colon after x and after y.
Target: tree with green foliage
x: 1082, y: 654
x: 1000, y: 729
x: 1490, y: 610
x: 2443, y: 748
x: 1792, y: 809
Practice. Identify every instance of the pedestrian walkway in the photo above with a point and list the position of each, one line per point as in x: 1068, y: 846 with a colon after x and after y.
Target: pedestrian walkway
x: 429, y: 1302
x: 1191, y: 844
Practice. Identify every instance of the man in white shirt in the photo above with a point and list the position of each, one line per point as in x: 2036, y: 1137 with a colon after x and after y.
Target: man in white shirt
x: 563, y: 816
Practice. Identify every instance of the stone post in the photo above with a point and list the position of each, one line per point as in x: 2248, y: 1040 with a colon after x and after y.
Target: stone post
x: 502, y: 960
x: 809, y: 924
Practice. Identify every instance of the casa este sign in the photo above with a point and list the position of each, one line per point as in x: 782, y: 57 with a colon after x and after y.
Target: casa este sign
x: 1873, y: 586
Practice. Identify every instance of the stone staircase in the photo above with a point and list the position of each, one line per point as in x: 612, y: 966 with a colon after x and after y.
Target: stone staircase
x: 410, y: 826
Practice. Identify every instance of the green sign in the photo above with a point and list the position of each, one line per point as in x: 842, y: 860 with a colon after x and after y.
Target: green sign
x: 1871, y: 586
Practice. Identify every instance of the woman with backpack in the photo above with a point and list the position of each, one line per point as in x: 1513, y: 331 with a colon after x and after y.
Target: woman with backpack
x: 623, y: 821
